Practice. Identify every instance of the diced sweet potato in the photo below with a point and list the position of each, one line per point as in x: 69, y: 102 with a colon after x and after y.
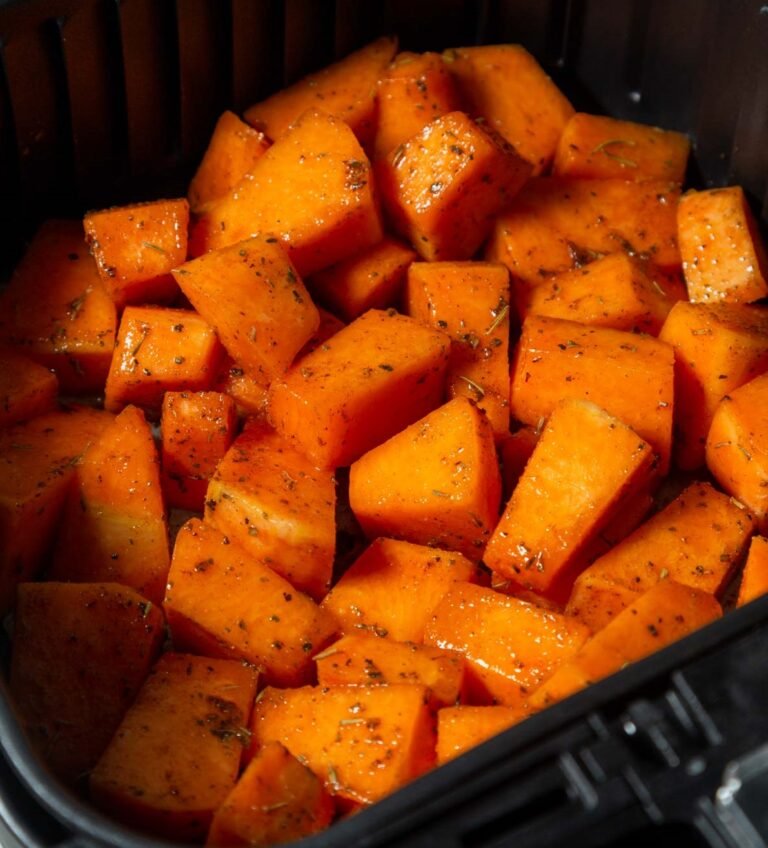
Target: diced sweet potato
x: 461, y: 728
x: 176, y: 756
x: 247, y: 388
x: 597, y: 600
x: 445, y: 185
x: 26, y: 388
x: 312, y: 190
x: 38, y: 460
x: 510, y: 646
x: 346, y: 89
x: 437, y: 482
x: 362, y: 742
x: 392, y: 588
x: 414, y: 90
x: 598, y: 147
x: 613, y: 291
x: 57, y: 311
x: 556, y: 225
x: 160, y: 350
x: 724, y: 258
x: 222, y: 602
x: 277, y: 799
x: 250, y: 292
x: 278, y: 506
x: 136, y: 248
x: 197, y: 429
x: 583, y: 469
x: 754, y: 578
x: 504, y: 84
x: 376, y: 376
x: 114, y: 525
x: 80, y: 654
x: 718, y: 347
x: 515, y: 450
x: 369, y: 280
x: 737, y: 447
x: 558, y: 359
x: 231, y: 153
x: 470, y: 302
x: 664, y: 614
x: 369, y: 660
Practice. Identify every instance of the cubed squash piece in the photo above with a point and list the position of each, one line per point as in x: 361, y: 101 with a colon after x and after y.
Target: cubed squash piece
x: 444, y: 186
x: 222, y: 602
x: 26, y: 388
x: 80, y: 654
x: 176, y: 755
x: 461, y: 728
x: 136, y: 248
x: 392, y: 588
x: 270, y: 499
x: 597, y: 600
x: 363, y: 385
x: 437, y: 482
x: 754, y: 578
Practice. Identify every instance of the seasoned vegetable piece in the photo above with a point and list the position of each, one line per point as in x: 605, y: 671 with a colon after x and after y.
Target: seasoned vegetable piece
x: 136, y: 247
x: 197, y: 429
x: 371, y: 279
x: 470, y: 302
x: 278, y: 506
x: 221, y: 602
x: 558, y: 359
x: 360, y: 387
x: 664, y: 614
x: 363, y: 743
x: 597, y: 600
x: 556, y: 225
x: 696, y: 541
x: 369, y: 660
x: 312, y: 190
x: 437, y: 482
x: 176, y: 755
x: 38, y: 460
x: 392, y: 588
x: 56, y: 309
x: 515, y: 450
x: 231, y: 153
x: 504, y: 84
x: 582, y: 471
x: 160, y: 350
x: 248, y: 389
x: 26, y: 388
x: 414, y: 90
x: 737, y: 447
x: 277, y: 799
x: 510, y: 646
x: 598, y: 147
x: 114, y: 525
x: 345, y: 89
x: 754, y: 578
x: 252, y: 295
x: 80, y: 654
x: 718, y: 347
x: 461, y: 728
x: 444, y: 186
x: 613, y: 291
x: 724, y: 257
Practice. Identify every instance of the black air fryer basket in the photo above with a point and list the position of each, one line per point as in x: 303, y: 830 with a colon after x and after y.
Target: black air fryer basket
x: 110, y: 101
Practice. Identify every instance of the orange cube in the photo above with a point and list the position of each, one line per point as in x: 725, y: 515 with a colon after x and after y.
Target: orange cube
x: 392, y: 588
x: 56, y: 310
x: 136, y: 248
x: 754, y: 578
x: 510, y: 646
x: 247, y: 388
x: 724, y: 258
x: 461, y: 728
x: 160, y: 350
x: 363, y: 385
x: 197, y: 429
x: 444, y: 186
x: 598, y: 147
x: 437, y: 482
x: 26, y: 388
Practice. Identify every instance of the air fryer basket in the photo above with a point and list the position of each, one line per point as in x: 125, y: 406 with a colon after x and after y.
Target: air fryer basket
x: 110, y: 101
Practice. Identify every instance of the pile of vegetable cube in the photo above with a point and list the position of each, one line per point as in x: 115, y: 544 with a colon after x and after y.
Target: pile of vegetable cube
x: 462, y: 407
